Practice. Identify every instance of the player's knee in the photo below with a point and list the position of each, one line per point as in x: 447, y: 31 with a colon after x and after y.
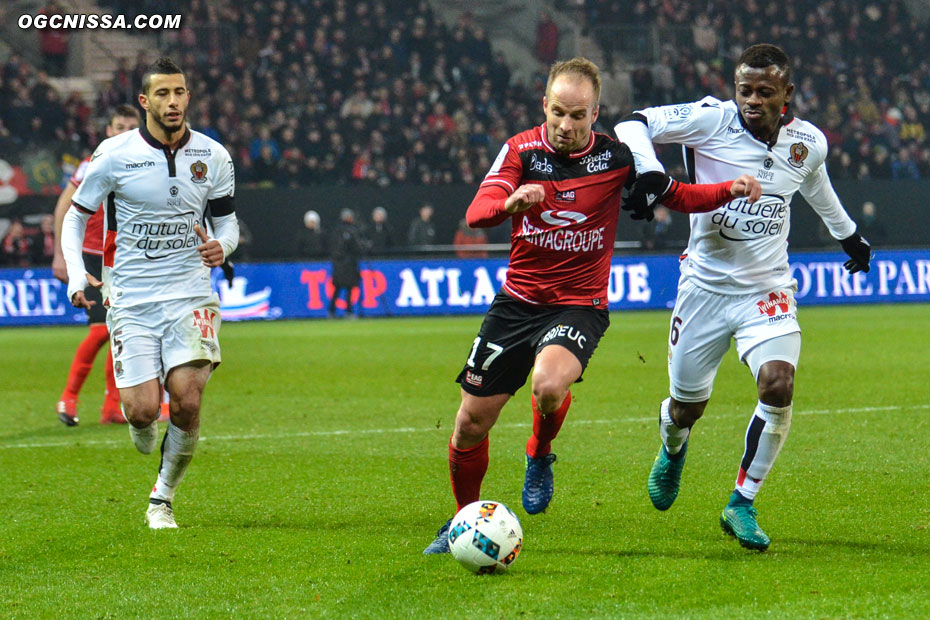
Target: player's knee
x: 141, y: 413
x: 549, y: 393
x: 471, y: 425
x: 686, y: 414
x: 776, y: 384
x: 186, y: 403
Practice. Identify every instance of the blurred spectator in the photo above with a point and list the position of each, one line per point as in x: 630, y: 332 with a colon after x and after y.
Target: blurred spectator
x: 380, y: 233
x: 422, y: 231
x: 547, y: 39
x: 869, y: 226
x: 904, y: 167
x: 53, y: 42
x: 16, y: 249
x: 310, y: 240
x: 465, y: 237
x: 43, y: 241
x: 657, y: 233
x: 347, y: 248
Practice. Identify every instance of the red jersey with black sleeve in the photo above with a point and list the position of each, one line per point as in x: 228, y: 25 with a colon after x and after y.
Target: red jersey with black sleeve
x: 93, y: 234
x: 561, y: 248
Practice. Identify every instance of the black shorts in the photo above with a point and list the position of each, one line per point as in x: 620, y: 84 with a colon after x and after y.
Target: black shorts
x: 512, y: 335
x: 98, y: 312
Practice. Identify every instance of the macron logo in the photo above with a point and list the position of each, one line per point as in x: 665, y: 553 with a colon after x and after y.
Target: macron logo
x: 141, y: 164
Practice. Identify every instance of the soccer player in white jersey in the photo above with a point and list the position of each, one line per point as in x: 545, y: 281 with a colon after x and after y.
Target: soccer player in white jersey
x: 735, y: 280
x: 158, y: 183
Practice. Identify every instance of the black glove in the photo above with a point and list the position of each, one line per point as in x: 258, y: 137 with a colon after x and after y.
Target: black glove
x: 229, y: 272
x: 646, y: 193
x: 859, y: 251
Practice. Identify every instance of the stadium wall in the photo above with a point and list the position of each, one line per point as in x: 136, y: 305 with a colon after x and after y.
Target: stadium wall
x: 467, y: 286
x: 275, y: 216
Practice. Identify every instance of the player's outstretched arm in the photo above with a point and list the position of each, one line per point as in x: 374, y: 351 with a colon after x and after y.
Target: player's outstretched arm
x: 492, y: 204
x: 705, y: 198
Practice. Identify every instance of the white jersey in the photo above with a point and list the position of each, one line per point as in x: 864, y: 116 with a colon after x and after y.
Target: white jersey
x: 741, y: 248
x: 153, y: 198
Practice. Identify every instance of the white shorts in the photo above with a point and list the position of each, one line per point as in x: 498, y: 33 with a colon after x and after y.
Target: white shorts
x: 148, y: 340
x: 703, y: 323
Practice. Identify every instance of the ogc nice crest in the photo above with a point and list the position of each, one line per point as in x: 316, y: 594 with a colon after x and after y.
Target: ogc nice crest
x: 198, y: 172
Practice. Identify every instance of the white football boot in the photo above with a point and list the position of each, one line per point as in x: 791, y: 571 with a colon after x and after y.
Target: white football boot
x: 160, y: 516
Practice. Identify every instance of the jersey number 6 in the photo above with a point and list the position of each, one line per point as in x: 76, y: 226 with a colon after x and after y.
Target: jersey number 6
x: 673, y: 336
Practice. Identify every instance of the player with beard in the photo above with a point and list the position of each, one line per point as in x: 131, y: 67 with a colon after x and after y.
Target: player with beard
x: 735, y: 278
x: 560, y: 184
x: 158, y: 183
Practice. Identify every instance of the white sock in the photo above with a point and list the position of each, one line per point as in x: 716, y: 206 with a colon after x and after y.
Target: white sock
x: 672, y: 436
x: 765, y: 436
x: 177, y: 450
x: 144, y: 438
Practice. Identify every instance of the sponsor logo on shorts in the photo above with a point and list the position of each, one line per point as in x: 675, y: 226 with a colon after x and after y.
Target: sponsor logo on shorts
x: 118, y: 368
x: 565, y: 331
x: 777, y: 307
x: 203, y: 319
x: 473, y: 378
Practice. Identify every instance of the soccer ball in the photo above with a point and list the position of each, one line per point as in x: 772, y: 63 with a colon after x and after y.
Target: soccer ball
x: 485, y: 537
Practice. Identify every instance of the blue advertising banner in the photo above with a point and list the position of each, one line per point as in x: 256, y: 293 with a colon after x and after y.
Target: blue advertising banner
x: 467, y: 286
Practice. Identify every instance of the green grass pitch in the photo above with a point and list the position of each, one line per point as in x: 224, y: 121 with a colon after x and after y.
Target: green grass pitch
x: 322, y: 474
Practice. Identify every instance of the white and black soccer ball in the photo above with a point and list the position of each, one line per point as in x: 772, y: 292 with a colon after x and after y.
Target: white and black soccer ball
x: 486, y: 537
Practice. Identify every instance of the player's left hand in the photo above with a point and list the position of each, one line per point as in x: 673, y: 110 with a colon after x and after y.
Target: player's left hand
x: 211, y: 252
x: 645, y: 194
x: 79, y: 300
x: 859, y: 251
x: 746, y: 187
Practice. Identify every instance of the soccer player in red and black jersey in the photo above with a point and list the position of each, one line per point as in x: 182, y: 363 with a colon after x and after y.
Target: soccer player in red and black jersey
x: 124, y: 118
x: 561, y: 185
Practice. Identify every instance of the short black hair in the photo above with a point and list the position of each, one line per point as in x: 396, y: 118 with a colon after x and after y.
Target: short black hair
x: 764, y: 55
x: 162, y: 66
x: 125, y: 110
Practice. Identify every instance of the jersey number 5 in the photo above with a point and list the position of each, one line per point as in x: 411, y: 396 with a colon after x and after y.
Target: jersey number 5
x: 496, y: 350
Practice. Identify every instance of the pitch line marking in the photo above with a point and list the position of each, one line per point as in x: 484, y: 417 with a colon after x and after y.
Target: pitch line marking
x: 409, y: 429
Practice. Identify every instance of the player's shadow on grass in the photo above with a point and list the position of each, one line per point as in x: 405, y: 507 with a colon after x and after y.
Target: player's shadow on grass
x: 895, y: 548
x: 726, y: 552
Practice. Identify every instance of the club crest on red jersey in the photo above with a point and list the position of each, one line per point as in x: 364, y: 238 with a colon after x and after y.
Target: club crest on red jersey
x: 798, y: 154
x: 199, y: 172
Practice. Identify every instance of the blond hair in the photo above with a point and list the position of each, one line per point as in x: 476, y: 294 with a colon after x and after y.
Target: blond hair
x: 579, y: 67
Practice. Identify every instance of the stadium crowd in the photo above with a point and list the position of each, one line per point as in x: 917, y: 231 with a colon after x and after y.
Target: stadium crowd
x: 384, y: 92
x: 863, y: 69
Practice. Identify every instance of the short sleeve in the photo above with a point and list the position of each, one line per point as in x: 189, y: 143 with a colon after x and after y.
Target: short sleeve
x: 78, y: 175
x: 507, y: 169
x: 224, y: 181
x: 690, y: 124
x: 98, y: 182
